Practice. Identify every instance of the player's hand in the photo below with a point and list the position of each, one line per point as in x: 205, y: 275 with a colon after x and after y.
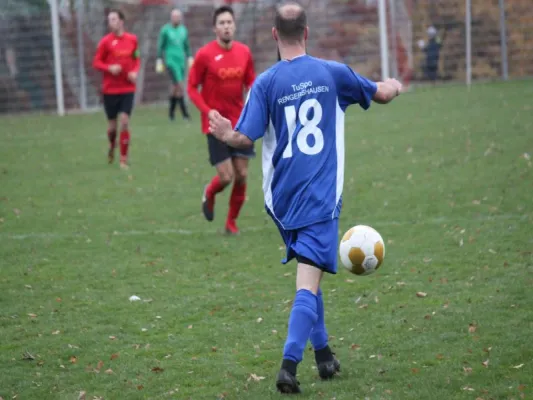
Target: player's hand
x: 395, y: 84
x: 219, y: 126
x: 190, y: 62
x: 159, y: 66
x: 115, y: 69
x: 132, y: 76
x: 212, y: 114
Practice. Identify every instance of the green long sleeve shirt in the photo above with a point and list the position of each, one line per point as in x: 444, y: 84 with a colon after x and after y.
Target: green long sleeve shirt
x: 173, y: 43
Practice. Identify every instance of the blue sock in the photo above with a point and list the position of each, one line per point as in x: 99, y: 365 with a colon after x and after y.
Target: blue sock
x: 319, y: 334
x: 301, y: 321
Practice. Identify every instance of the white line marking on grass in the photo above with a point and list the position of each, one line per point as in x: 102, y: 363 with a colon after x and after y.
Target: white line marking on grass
x: 262, y: 228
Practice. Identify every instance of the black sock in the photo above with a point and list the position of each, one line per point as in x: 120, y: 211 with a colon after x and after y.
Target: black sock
x: 323, y: 355
x: 289, y: 366
x: 183, y: 107
x: 172, y: 104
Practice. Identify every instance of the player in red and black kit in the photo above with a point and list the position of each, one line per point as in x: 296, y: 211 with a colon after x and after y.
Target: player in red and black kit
x: 224, y: 69
x: 117, y: 57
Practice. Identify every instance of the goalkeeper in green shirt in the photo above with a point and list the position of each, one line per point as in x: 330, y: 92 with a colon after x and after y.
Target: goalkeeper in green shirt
x: 173, y: 45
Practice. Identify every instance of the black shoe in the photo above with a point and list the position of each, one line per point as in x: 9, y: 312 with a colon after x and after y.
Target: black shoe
x: 287, y: 383
x: 208, y: 206
x: 328, y: 369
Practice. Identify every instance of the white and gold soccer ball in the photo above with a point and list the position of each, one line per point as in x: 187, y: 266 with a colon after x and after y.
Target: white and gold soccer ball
x: 362, y: 250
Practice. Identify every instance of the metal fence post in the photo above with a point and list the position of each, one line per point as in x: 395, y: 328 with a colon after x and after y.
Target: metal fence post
x: 384, y: 43
x: 58, y: 73
x: 503, y: 41
x: 81, y: 54
x: 468, y: 26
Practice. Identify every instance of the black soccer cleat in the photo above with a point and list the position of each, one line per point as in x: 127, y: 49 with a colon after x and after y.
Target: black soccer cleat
x: 328, y: 369
x: 208, y: 206
x: 287, y: 383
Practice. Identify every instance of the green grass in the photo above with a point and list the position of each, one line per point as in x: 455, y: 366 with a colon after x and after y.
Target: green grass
x: 440, y: 173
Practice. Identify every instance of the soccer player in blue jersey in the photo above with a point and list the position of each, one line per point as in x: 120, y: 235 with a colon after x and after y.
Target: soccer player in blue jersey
x: 297, y: 107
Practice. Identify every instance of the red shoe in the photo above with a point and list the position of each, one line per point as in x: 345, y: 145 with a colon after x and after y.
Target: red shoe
x: 231, y: 228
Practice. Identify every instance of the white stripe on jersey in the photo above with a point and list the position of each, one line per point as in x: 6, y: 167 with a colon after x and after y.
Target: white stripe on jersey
x: 339, y: 139
x: 269, y: 146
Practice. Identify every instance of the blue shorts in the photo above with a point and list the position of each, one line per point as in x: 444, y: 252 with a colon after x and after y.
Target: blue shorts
x: 314, y: 244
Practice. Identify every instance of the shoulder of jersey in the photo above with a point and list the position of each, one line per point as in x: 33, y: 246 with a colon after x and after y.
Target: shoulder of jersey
x: 131, y: 35
x: 241, y: 46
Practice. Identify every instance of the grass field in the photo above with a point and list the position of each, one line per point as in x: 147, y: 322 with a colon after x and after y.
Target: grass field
x: 443, y: 174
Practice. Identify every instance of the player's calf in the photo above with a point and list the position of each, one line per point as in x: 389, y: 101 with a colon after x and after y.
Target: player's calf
x: 124, y: 140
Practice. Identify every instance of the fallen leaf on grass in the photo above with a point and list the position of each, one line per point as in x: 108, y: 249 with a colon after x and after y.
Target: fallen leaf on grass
x: 485, y: 363
x: 81, y: 396
x: 28, y: 356
x: 73, y: 360
x: 16, y: 211
x: 56, y: 332
x: 521, y: 388
x: 109, y: 371
x: 518, y: 366
x: 259, y: 320
x: 472, y: 328
x: 114, y: 356
x: 421, y: 294
x: 470, y: 389
x: 31, y: 315
x: 355, y: 346
x: 255, y: 378
x: 189, y: 327
x: 440, y: 356
x: 415, y: 370
x: 99, y: 366
x: 467, y: 370
x: 214, y: 349
x: 157, y: 370
x: 140, y: 387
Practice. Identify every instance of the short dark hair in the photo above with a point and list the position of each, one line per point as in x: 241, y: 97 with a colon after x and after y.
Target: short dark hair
x: 292, y: 28
x: 118, y: 12
x: 222, y: 10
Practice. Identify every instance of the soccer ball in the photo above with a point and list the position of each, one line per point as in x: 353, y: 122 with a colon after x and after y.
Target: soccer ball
x: 362, y: 250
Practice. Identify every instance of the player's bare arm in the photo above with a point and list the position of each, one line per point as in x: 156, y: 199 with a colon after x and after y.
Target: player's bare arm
x: 387, y: 91
x: 220, y: 127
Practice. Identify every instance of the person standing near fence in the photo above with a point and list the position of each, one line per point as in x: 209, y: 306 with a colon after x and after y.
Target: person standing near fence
x: 173, y: 45
x: 118, y: 58
x: 224, y: 69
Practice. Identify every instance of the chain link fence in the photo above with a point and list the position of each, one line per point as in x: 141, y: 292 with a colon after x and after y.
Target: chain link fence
x: 413, y: 40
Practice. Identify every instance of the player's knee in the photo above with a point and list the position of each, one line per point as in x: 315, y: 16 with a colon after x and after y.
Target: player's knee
x: 124, y: 122
x: 225, y: 177
x: 241, y: 176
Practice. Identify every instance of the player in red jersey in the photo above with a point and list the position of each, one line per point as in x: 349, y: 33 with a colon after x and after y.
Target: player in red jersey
x: 117, y: 57
x: 224, y: 69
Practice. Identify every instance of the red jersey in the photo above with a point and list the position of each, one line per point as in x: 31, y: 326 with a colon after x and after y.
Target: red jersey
x: 122, y: 50
x: 224, y: 74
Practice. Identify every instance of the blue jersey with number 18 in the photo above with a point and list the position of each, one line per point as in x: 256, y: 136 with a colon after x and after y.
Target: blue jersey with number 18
x: 298, y: 108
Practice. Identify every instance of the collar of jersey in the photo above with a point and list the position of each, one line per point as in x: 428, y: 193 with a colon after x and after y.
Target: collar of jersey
x: 295, y: 58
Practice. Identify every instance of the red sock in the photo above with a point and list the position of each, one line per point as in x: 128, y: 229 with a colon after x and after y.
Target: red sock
x: 124, y: 144
x: 238, y: 196
x: 112, y: 136
x: 214, y: 187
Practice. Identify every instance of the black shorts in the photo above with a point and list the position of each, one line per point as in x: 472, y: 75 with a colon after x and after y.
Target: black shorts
x: 219, y: 151
x: 115, y: 104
